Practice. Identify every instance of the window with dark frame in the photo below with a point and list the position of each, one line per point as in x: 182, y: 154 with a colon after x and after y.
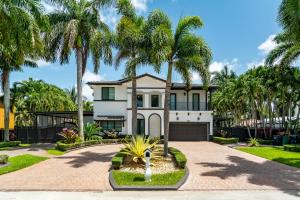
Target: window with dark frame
x: 108, y: 93
x: 154, y: 101
x: 111, y: 125
x: 140, y: 101
x: 196, y: 102
x: 173, y: 101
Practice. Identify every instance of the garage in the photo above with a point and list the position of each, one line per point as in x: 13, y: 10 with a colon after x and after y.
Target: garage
x: 182, y: 131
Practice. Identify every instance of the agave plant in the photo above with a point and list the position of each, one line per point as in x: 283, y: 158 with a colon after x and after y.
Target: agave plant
x: 253, y: 142
x: 136, y: 148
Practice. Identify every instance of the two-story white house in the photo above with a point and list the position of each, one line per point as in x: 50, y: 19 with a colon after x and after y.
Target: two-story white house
x: 190, y: 118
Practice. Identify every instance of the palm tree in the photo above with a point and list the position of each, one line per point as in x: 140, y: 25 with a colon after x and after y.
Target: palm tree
x: 20, y: 42
x: 76, y: 26
x: 137, y: 41
x: 288, y: 48
x: 72, y: 93
x: 185, y: 52
x: 222, y: 76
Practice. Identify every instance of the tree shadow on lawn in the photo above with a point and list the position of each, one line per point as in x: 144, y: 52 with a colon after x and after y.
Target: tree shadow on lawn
x: 268, y: 173
x: 87, y: 157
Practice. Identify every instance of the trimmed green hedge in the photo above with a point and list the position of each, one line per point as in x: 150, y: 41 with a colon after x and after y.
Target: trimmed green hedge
x: 222, y: 140
x: 10, y: 144
x: 65, y: 147
x: 117, y: 160
x: 290, y: 147
x: 180, y: 158
x: 265, y: 142
x: 3, y: 159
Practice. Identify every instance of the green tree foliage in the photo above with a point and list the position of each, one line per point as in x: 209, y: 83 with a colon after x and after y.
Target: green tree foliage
x: 261, y: 95
x: 76, y: 27
x: 20, y: 42
x: 37, y: 96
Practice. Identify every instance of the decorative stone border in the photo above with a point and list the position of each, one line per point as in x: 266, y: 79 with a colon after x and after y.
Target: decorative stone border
x: 144, y: 188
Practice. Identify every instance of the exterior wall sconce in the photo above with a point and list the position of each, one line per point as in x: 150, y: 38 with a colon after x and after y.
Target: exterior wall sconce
x: 184, y: 94
x: 198, y: 118
x: 176, y: 113
x: 188, y: 113
x: 177, y: 118
x: 200, y: 114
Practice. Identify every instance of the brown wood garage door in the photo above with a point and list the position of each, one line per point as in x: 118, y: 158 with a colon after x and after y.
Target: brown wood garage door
x: 180, y: 131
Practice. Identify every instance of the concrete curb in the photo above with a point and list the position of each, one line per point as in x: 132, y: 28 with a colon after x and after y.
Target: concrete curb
x: 147, y: 188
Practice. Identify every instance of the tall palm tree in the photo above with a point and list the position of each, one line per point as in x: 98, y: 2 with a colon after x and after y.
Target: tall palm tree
x: 185, y: 52
x: 76, y: 26
x: 288, y: 48
x: 20, y: 42
x: 138, y: 41
x: 223, y: 76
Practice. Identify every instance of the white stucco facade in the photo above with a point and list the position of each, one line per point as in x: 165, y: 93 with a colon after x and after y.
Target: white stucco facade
x: 151, y: 91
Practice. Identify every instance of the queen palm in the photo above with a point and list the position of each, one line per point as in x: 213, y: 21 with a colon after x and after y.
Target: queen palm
x: 223, y: 75
x: 288, y: 48
x: 185, y: 52
x: 138, y: 41
x: 20, y: 42
x: 76, y: 26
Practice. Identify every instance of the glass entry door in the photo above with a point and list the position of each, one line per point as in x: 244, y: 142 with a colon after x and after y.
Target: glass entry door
x: 140, y: 126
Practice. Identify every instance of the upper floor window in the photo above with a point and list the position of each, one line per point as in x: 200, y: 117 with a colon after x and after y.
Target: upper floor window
x: 139, y: 100
x: 108, y: 93
x: 154, y: 101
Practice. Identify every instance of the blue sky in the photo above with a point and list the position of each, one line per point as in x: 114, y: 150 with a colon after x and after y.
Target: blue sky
x: 239, y: 32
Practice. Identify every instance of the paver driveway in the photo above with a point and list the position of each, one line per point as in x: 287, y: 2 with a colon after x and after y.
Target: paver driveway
x: 85, y: 169
x: 212, y: 167
x: 216, y: 167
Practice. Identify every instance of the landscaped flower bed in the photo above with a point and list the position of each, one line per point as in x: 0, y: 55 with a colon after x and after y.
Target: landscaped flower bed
x: 129, y: 167
x: 222, y: 140
x: 10, y: 144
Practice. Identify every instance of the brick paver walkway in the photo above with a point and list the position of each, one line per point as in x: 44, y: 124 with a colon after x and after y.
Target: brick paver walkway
x: 212, y: 167
x: 216, y: 167
x: 84, y: 169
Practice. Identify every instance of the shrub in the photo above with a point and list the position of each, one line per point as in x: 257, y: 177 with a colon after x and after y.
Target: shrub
x: 223, y: 133
x: 118, y: 160
x: 179, y: 157
x: 110, y: 134
x: 3, y: 159
x: 290, y: 147
x: 65, y: 147
x: 69, y: 135
x: 265, y: 142
x: 253, y: 142
x: 10, y: 144
x: 91, y: 131
x: 221, y: 140
x: 136, y: 148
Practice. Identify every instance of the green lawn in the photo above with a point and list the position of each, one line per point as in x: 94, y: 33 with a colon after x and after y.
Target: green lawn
x: 55, y: 152
x: 20, y: 162
x: 275, y: 153
x: 135, y: 179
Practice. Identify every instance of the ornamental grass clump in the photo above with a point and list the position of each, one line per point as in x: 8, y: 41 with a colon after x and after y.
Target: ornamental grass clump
x: 253, y: 142
x: 135, y: 149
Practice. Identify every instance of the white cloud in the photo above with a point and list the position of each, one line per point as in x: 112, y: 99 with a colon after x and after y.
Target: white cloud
x: 48, y: 8
x: 90, y: 76
x: 217, y: 66
x: 255, y: 63
x: 140, y: 5
x: 268, y: 45
x: 42, y: 63
x: 195, y: 77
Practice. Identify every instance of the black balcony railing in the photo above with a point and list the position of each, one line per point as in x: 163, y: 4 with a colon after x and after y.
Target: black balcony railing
x: 182, y: 106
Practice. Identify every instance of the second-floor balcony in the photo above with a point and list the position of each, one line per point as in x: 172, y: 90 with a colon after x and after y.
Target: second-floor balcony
x: 188, y: 106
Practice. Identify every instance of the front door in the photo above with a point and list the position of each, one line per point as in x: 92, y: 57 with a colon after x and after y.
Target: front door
x: 141, y: 126
x: 196, y: 102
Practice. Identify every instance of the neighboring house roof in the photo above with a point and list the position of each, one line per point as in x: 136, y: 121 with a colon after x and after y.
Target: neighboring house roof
x: 174, y: 85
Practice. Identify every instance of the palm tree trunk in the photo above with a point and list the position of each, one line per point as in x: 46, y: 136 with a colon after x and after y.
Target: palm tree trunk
x: 6, y: 90
x: 134, y: 103
x: 79, y: 92
x: 167, y: 109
